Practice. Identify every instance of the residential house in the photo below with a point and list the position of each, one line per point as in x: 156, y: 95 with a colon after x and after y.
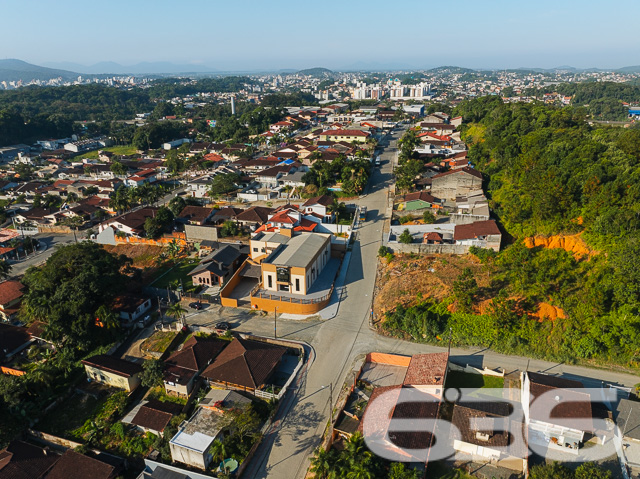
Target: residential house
x: 254, y: 216
x: 132, y: 223
x: 358, y: 136
x: 13, y: 340
x: 195, y: 215
x: 225, y: 214
x: 79, y: 466
x: 489, y: 436
x: 154, y: 416
x: 11, y: 293
x: 627, y: 417
x: 130, y: 307
x: 557, y: 411
x: 419, y: 200
x: 37, y: 215
x: 112, y: 371
x: 245, y: 365
x: 269, y: 178
x: 192, y: 443
x: 223, y: 399
x: 483, y: 234
x: 22, y: 460
x: 453, y: 183
x: 217, y: 267
x: 183, y: 367
x: 319, y: 206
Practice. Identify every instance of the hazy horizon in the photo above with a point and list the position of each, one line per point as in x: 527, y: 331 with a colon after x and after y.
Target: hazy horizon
x: 336, y: 35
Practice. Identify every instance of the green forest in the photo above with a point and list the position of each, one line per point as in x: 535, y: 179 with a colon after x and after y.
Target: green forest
x: 548, y: 173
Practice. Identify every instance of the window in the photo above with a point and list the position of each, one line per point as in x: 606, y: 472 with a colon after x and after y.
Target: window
x: 255, y: 250
x: 297, y: 284
x: 269, y: 281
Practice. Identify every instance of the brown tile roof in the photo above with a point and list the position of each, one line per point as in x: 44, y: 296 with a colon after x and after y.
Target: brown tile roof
x: 559, y: 401
x: 421, y: 195
x: 10, y: 291
x: 257, y: 214
x: 196, y: 353
x: 414, y: 404
x: 475, y: 230
x: 113, y: 365
x: 195, y: 213
x: 466, y: 169
x: 324, y: 200
x: 467, y: 418
x: 245, y: 363
x: 156, y: 415
x: 79, y: 466
x: 22, y: 460
x: 12, y: 338
x: 36, y: 329
x: 427, y: 369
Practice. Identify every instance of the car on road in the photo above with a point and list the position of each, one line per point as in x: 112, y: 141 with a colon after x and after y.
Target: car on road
x: 144, y: 322
x: 222, y: 327
x: 197, y: 305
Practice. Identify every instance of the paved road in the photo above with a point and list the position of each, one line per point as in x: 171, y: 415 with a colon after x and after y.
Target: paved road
x: 338, y: 342
x: 48, y: 240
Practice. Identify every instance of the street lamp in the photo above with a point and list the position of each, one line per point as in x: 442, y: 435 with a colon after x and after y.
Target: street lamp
x: 275, y: 323
x: 330, y: 408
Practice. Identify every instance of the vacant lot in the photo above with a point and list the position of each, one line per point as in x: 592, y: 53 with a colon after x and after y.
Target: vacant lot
x: 116, y: 150
x: 69, y: 415
x: 409, y: 278
x: 179, y: 272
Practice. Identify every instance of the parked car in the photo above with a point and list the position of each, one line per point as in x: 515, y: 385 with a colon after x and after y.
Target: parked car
x: 222, y: 327
x: 144, y: 322
x: 197, y: 305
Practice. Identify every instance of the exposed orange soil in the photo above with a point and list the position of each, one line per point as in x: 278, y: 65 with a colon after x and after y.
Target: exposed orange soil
x: 571, y: 243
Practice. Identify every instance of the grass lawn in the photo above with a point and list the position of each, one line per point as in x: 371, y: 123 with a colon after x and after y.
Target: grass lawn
x: 70, y: 414
x: 456, y: 379
x: 178, y: 272
x: 439, y: 470
x: 159, y: 341
x: 116, y: 150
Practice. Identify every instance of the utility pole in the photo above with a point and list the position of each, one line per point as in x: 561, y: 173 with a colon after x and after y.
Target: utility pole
x: 331, y: 409
x: 450, y: 334
x: 275, y: 323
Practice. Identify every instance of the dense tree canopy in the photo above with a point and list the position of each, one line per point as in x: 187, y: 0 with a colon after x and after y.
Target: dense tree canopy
x: 69, y: 289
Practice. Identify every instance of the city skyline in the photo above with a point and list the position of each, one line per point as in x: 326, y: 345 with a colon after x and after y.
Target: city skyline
x: 357, y: 35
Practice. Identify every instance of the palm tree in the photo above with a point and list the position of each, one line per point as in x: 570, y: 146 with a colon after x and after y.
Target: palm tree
x: 323, y: 463
x: 218, y: 450
x: 176, y: 310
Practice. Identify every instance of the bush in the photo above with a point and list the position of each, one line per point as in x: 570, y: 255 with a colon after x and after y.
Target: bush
x: 405, y: 219
x: 405, y: 237
x: 383, y: 251
x: 483, y: 254
x: 428, y: 217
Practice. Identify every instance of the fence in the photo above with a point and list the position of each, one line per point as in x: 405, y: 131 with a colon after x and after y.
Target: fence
x: 28, y: 231
x: 422, y: 248
x: 470, y: 369
x: 289, y: 299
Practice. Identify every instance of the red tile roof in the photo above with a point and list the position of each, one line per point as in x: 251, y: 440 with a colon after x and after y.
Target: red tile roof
x: 427, y: 369
x: 344, y: 133
x: 466, y: 169
x: 475, y: 230
x: 10, y: 291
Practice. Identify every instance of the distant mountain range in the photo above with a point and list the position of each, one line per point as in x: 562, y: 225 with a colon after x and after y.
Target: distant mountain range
x: 15, y: 70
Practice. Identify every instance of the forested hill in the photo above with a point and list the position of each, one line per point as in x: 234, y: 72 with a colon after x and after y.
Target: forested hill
x: 548, y: 173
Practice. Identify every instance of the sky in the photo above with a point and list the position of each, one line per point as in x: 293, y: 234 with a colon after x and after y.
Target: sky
x: 346, y: 34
